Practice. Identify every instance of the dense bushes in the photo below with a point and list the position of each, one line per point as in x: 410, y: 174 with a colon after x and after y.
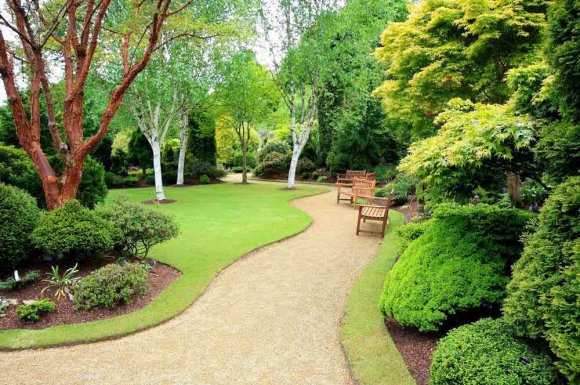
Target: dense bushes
x: 140, y: 228
x: 460, y: 263
x: 93, y: 188
x: 110, y: 286
x: 195, y: 168
x: 544, y: 293
x: 486, y: 352
x: 18, y: 217
x: 73, y: 231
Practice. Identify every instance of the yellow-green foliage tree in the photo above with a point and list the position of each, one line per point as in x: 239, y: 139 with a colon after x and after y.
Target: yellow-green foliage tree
x: 448, y: 49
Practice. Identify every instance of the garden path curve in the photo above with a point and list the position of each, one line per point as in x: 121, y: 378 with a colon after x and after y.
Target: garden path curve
x: 270, y: 318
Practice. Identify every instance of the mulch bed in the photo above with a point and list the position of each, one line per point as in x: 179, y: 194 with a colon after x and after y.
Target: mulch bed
x: 160, y: 277
x: 416, y: 348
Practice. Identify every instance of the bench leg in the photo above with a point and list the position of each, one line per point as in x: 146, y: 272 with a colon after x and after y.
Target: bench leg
x: 358, y: 226
x: 384, y: 227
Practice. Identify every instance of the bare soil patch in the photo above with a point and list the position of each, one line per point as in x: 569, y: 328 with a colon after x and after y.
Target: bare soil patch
x: 415, y: 347
x: 159, y: 278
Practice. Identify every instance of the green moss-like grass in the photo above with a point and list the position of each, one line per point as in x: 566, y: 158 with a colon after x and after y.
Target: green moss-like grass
x: 372, y: 354
x: 218, y: 223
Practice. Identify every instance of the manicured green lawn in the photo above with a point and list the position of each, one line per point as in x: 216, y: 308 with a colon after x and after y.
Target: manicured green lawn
x: 371, y: 352
x: 218, y: 223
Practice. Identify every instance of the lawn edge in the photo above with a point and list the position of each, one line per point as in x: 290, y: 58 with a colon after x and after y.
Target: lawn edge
x: 4, y: 348
x: 351, y: 336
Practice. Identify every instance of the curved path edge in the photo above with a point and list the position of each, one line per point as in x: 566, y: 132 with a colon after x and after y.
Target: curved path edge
x: 370, y: 351
x: 169, y: 316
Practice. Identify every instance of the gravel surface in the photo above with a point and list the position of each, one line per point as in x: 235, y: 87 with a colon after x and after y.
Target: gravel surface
x: 270, y: 318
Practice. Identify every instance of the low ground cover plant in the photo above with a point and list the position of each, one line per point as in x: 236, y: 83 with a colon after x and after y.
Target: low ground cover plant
x: 18, y: 217
x: 32, y: 312
x: 140, y: 227
x: 111, y: 285
x: 459, y: 263
x: 73, y: 232
x: 487, y: 352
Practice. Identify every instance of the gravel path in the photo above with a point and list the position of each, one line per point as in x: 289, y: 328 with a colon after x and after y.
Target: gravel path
x: 270, y: 318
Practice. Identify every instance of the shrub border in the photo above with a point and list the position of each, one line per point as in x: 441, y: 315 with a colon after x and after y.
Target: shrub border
x: 74, y: 334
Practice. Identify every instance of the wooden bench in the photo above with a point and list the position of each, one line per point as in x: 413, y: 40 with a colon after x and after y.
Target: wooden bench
x: 346, y: 179
x: 360, y: 187
x: 374, y: 213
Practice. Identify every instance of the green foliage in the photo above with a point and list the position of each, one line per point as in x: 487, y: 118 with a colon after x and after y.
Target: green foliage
x: 16, y: 169
x: 18, y: 217
x: 558, y: 150
x: 61, y: 284
x: 404, y: 186
x: 385, y: 172
x: 273, y: 164
x: 111, y: 286
x: 277, y: 146
x: 93, y: 188
x: 238, y: 160
x: 459, y: 263
x: 202, y: 141
x: 409, y: 232
x: 474, y: 146
x: 543, y: 295
x: 195, y: 168
x: 73, y: 231
x: 564, y: 54
x: 204, y: 179
x: 486, y: 352
x: 32, y: 312
x: 139, y: 151
x: 113, y: 180
x: 140, y: 228
x: 455, y: 49
x: 12, y: 284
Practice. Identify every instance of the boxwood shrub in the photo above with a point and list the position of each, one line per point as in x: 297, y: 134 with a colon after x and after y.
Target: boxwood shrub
x: 459, y: 264
x: 486, y: 352
x: 544, y: 294
x: 18, y: 217
x: 111, y: 285
x: 73, y: 231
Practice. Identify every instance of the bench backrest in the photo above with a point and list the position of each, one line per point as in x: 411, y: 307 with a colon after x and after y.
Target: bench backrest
x: 363, y: 184
x: 370, y: 175
x: 351, y: 174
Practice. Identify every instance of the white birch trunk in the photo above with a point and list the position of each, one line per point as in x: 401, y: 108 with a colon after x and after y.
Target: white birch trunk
x: 156, y: 147
x: 293, y: 165
x: 183, y: 142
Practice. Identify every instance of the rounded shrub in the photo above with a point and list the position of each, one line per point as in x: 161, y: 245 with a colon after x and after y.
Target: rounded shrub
x: 486, y: 352
x: 16, y: 169
x: 18, y: 217
x: 459, y: 263
x: 32, y: 312
x: 73, y: 231
x: 204, y: 179
x: 140, y: 228
x: 273, y: 164
x: 275, y: 146
x: 544, y: 294
x: 111, y: 285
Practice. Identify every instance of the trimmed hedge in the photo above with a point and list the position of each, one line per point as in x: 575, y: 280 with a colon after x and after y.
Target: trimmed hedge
x: 485, y: 353
x: 111, y: 285
x: 544, y: 294
x: 460, y: 263
x: 73, y: 231
x: 18, y: 217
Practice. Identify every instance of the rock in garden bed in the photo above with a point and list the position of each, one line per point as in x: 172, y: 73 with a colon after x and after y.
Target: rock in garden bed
x: 159, y: 278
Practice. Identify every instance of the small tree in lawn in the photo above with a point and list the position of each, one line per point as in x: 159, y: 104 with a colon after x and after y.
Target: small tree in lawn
x: 246, y: 95
x: 301, y: 33
x: 75, y: 33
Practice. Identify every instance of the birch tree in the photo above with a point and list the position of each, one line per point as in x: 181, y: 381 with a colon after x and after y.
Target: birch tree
x: 298, y: 39
x: 47, y: 33
x: 246, y: 95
